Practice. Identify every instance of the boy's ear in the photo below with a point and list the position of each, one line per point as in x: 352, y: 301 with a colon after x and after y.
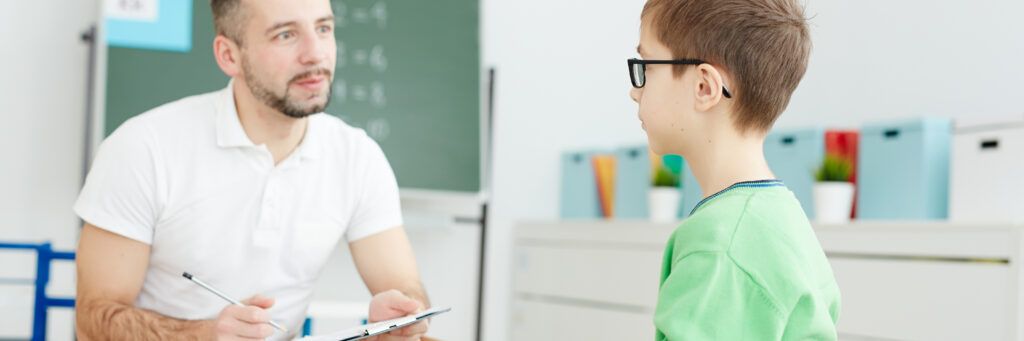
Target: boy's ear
x: 709, y: 85
x: 228, y: 55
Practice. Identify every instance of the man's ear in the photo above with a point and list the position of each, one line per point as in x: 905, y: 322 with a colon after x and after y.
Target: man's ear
x: 228, y: 55
x: 708, y: 87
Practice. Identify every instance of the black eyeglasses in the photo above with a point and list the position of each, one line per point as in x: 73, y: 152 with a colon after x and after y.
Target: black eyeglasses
x: 638, y: 69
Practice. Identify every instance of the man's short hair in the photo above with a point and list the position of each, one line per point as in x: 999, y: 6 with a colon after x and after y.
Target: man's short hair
x: 229, y: 19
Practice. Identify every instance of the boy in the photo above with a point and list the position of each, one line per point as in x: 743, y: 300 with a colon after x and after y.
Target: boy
x: 713, y: 78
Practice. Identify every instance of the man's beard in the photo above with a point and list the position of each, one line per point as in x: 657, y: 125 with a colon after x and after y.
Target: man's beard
x: 282, y: 103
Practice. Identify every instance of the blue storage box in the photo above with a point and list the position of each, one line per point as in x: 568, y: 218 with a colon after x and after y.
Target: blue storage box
x: 632, y: 181
x: 903, y: 170
x: 794, y: 155
x: 579, y: 199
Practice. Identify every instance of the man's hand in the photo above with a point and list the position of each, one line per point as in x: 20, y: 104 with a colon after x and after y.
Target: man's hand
x: 385, y: 261
x: 393, y: 304
x: 244, y: 323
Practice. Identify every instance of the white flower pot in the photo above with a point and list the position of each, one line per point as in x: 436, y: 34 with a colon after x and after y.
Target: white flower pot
x: 663, y: 204
x: 833, y: 202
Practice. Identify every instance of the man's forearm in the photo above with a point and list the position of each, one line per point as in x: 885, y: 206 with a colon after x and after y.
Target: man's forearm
x: 111, y: 320
x: 417, y: 292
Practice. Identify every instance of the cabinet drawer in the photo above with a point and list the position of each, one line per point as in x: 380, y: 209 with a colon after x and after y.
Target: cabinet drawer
x: 624, y: 276
x: 538, y: 320
x: 925, y: 300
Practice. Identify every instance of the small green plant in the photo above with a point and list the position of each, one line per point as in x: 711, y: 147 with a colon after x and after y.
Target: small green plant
x: 663, y: 177
x: 834, y: 168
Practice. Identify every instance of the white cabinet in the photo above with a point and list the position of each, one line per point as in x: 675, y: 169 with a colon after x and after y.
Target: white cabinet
x: 586, y: 280
x: 929, y: 281
x: 899, y: 281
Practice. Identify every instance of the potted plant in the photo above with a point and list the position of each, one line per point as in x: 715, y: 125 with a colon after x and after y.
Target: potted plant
x: 833, y: 191
x: 664, y: 195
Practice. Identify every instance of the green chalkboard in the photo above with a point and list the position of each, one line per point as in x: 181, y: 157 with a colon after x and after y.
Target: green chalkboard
x: 408, y: 72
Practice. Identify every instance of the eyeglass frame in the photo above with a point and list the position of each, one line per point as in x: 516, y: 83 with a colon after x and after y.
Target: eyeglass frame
x: 644, y: 62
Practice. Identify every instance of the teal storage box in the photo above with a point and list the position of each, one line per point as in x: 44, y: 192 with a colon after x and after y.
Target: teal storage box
x: 632, y: 181
x: 692, y: 193
x: 578, y: 197
x: 794, y: 155
x: 677, y: 164
x: 903, y: 170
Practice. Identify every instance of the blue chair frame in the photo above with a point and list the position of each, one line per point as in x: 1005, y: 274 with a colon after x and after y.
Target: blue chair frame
x: 44, y: 256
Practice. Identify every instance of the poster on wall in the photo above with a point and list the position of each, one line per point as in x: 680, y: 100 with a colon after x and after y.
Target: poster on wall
x: 149, y: 24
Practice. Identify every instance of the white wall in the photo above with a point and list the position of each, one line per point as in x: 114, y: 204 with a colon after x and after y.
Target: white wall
x: 43, y: 63
x: 879, y: 60
x: 562, y: 84
x: 42, y: 100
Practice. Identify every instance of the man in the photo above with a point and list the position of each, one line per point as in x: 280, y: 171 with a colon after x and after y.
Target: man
x: 249, y: 189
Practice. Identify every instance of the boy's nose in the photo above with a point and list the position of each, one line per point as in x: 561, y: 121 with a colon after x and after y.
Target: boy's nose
x: 634, y: 93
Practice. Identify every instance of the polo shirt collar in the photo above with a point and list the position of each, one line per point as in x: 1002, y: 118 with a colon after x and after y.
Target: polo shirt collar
x: 229, y: 128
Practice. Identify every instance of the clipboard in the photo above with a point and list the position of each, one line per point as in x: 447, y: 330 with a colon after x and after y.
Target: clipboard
x: 377, y: 328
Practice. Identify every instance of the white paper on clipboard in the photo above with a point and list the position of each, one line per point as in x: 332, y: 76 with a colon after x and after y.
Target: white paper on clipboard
x: 377, y: 328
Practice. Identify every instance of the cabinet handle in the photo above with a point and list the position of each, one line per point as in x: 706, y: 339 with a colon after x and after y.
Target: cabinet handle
x: 989, y: 144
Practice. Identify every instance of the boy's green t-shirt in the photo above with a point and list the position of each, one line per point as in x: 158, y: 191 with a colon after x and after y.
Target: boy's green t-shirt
x: 746, y: 265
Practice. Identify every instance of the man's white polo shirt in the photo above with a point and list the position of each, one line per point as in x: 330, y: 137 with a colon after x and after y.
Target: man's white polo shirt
x: 186, y: 179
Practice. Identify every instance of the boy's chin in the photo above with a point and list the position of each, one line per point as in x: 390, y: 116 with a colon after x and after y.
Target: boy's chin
x: 671, y: 148
x: 656, y: 147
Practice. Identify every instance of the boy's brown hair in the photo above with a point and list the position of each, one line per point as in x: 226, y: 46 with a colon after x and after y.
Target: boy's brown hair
x: 763, y: 45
